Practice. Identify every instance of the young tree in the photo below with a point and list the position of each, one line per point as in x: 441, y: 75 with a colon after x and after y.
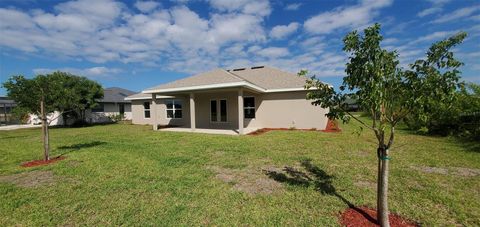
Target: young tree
x: 386, y: 91
x: 45, y: 94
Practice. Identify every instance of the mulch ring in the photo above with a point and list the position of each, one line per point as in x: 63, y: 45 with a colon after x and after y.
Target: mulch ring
x: 42, y: 162
x: 364, y: 216
x: 265, y: 130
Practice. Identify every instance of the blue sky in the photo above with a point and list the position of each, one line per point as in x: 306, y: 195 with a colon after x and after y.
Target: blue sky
x: 139, y: 44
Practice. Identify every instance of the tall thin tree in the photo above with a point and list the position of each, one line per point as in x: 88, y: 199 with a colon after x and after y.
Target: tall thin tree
x: 387, y: 92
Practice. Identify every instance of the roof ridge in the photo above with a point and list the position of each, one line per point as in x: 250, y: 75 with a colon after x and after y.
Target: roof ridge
x: 231, y: 74
x: 242, y: 78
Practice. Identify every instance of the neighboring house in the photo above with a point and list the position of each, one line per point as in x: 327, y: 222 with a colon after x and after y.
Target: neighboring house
x: 239, y: 99
x: 113, y: 103
x: 6, y: 107
x: 352, y: 105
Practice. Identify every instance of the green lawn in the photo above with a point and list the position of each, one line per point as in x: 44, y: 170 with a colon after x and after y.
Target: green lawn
x: 130, y: 175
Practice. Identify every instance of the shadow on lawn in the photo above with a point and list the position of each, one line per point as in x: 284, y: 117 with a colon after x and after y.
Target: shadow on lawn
x: 315, y: 176
x: 78, y: 146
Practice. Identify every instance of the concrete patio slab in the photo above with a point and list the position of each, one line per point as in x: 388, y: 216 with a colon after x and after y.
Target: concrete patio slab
x: 209, y: 131
x: 15, y: 127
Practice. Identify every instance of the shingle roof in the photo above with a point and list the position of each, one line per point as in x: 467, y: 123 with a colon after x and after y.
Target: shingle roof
x: 142, y: 96
x: 270, y: 78
x: 217, y: 76
x: 264, y: 77
x: 6, y: 100
x: 116, y: 94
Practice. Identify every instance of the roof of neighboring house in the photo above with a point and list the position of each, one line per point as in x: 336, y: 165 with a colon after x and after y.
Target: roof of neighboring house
x: 6, y: 100
x: 260, y: 78
x: 115, y: 95
x: 142, y: 96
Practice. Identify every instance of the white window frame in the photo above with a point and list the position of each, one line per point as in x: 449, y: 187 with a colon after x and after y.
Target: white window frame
x: 173, y: 108
x: 219, y: 110
x: 254, y: 106
x: 145, y: 110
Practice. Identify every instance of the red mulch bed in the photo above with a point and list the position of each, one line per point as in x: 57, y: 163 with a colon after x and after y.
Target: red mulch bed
x: 41, y: 162
x: 364, y: 216
x: 332, y: 126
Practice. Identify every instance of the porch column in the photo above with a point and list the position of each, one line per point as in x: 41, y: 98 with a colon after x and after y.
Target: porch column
x: 192, y: 111
x: 5, y: 113
x: 153, y: 111
x: 240, y: 111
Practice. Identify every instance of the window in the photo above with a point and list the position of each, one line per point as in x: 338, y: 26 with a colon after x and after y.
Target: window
x: 213, y: 110
x: 223, y: 110
x: 249, y: 107
x: 121, y: 108
x: 218, y: 106
x: 174, y: 109
x: 146, y: 109
x: 98, y: 108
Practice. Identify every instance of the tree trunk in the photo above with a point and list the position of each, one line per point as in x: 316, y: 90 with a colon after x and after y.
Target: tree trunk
x: 44, y: 130
x: 382, y: 187
x: 379, y: 182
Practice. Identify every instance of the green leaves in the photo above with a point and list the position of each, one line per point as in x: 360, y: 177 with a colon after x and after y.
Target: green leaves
x: 61, y: 91
x: 382, y: 88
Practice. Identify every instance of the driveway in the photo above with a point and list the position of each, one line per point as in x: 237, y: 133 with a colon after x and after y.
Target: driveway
x: 14, y: 127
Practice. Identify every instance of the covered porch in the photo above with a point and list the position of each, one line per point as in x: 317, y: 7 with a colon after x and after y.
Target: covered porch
x: 228, y: 111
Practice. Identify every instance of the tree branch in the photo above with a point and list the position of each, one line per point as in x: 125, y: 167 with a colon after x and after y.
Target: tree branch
x: 60, y: 114
x: 360, y: 121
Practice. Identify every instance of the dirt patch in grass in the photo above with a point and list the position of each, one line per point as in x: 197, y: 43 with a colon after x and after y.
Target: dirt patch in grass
x: 74, y: 163
x: 30, y: 179
x: 428, y: 169
x: 365, y: 184
x: 466, y: 172
x: 249, y: 180
x: 457, y: 171
x: 42, y: 162
x: 364, y: 216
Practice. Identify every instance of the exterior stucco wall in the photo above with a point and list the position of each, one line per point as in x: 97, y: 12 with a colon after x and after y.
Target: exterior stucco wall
x: 138, y: 116
x: 290, y: 109
x: 273, y: 110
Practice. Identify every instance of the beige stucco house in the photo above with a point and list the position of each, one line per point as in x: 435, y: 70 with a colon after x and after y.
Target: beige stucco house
x: 242, y: 100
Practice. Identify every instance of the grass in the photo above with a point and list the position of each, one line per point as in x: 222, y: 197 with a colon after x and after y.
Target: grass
x: 129, y: 175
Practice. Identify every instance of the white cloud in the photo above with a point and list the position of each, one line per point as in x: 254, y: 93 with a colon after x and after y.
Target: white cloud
x: 389, y: 41
x: 254, y: 7
x: 345, y: 17
x: 293, y: 6
x: 457, y: 14
x: 282, y: 31
x: 273, y: 52
x: 437, y: 6
x: 236, y: 27
x: 429, y: 11
x: 177, y: 38
x: 146, y: 6
x: 475, y: 18
x: 93, y: 72
x: 435, y: 36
